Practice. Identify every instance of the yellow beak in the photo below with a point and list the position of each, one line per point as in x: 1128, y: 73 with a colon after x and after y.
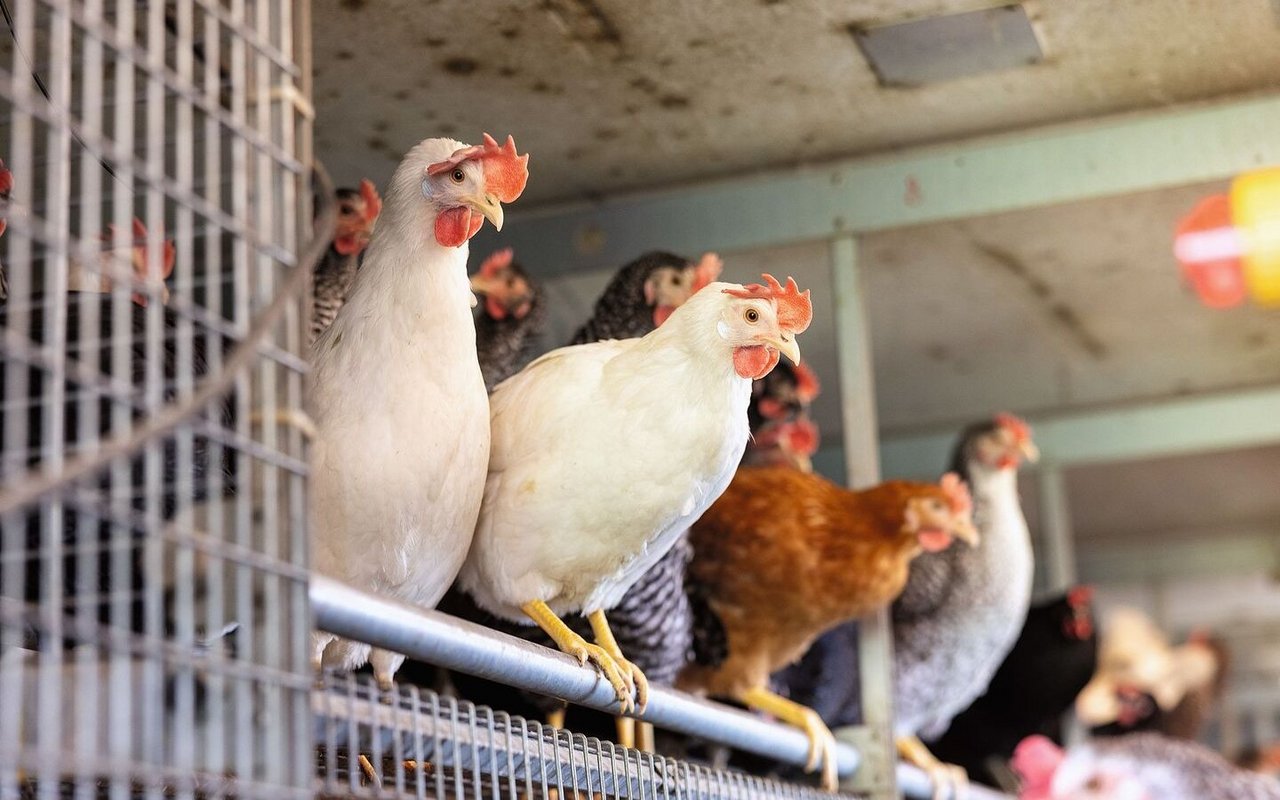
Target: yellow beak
x: 482, y: 285
x: 786, y: 346
x: 1030, y: 451
x: 966, y: 532
x: 489, y: 208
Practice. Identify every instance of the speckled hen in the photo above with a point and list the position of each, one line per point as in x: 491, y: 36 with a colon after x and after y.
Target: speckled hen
x: 511, y: 314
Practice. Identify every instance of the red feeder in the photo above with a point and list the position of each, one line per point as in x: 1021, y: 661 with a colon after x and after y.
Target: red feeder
x: 1208, y: 247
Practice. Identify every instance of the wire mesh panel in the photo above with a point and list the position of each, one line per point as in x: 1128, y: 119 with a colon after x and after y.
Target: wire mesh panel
x: 153, y: 612
x: 419, y: 744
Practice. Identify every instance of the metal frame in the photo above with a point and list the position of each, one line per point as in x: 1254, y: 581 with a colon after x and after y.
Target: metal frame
x: 353, y: 719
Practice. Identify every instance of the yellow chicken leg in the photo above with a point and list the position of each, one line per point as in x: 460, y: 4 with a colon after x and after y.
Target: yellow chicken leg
x: 644, y: 736
x: 822, y: 744
x: 948, y: 780
x: 573, y: 644
x: 555, y: 719
x: 631, y: 673
x: 626, y: 731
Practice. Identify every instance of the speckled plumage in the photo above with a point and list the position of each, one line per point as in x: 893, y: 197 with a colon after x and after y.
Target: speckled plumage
x: 506, y: 345
x: 621, y: 311
x: 332, y: 283
x: 1165, y: 768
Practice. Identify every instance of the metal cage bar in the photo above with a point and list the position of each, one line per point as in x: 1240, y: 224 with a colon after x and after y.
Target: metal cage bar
x: 153, y: 608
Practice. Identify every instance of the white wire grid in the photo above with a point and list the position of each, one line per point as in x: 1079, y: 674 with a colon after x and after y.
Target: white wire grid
x: 153, y: 611
x: 418, y: 744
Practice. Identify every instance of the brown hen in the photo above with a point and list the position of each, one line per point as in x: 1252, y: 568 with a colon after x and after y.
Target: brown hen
x: 783, y: 556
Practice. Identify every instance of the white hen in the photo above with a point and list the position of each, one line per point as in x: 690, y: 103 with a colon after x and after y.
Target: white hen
x: 604, y: 453
x: 400, y: 408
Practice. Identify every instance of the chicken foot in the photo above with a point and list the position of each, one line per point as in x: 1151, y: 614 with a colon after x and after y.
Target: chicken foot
x: 604, y: 638
x: 574, y: 645
x: 949, y: 781
x: 822, y: 744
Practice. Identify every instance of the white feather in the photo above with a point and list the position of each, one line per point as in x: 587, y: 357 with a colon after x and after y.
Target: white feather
x: 602, y: 455
x: 401, y: 412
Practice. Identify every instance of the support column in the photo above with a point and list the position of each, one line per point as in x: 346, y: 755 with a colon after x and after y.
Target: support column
x: 875, y: 776
x: 1055, y: 526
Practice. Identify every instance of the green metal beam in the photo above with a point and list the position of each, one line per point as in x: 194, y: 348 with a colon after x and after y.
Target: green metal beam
x: 1103, y: 157
x: 1233, y: 550
x: 1242, y: 419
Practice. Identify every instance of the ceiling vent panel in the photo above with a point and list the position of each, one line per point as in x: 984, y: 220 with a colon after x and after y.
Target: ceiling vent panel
x: 942, y: 48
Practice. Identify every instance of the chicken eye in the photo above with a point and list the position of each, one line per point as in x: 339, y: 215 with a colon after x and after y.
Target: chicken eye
x: 459, y: 176
x: 752, y: 316
x: 935, y: 505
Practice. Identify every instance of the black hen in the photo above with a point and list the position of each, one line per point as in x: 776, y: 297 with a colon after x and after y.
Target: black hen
x: 1053, y: 659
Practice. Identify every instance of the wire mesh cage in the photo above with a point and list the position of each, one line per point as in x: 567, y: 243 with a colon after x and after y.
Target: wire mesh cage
x: 420, y: 744
x: 153, y: 606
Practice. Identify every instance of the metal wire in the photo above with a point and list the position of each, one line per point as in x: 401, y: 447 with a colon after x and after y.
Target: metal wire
x: 418, y: 744
x: 153, y: 583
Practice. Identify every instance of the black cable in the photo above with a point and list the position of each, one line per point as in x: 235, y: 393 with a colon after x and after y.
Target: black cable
x: 44, y: 90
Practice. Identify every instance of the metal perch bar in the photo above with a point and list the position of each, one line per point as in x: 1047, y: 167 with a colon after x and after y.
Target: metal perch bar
x: 466, y: 647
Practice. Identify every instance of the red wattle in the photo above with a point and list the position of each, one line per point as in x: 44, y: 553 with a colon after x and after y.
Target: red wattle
x: 346, y: 245
x: 494, y: 309
x: 754, y: 362
x: 452, y: 226
x: 474, y: 228
x: 934, y: 540
x: 660, y: 314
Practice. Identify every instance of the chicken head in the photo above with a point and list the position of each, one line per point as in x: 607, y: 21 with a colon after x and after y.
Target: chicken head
x: 938, y: 518
x: 668, y: 287
x: 763, y: 322
x: 471, y: 185
x: 357, y: 212
x: 504, y: 286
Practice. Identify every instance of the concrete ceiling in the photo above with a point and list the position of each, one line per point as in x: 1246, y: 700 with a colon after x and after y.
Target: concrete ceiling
x: 612, y: 95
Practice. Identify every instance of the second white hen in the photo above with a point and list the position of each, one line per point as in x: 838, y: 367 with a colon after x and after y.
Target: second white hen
x: 604, y: 453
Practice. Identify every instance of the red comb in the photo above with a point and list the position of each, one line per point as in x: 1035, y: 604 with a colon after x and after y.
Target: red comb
x: 1079, y: 596
x: 505, y: 173
x: 795, y: 312
x: 499, y: 259
x: 957, y: 493
x: 168, y: 251
x: 807, y: 385
x: 1035, y: 760
x: 6, y: 179
x: 804, y: 436
x: 372, y: 200
x: 1020, y: 430
x: 706, y: 270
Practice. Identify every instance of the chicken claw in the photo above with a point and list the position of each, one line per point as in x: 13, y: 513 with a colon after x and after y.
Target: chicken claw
x: 636, y: 681
x: 822, y: 744
x: 949, y: 781
x: 582, y: 650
